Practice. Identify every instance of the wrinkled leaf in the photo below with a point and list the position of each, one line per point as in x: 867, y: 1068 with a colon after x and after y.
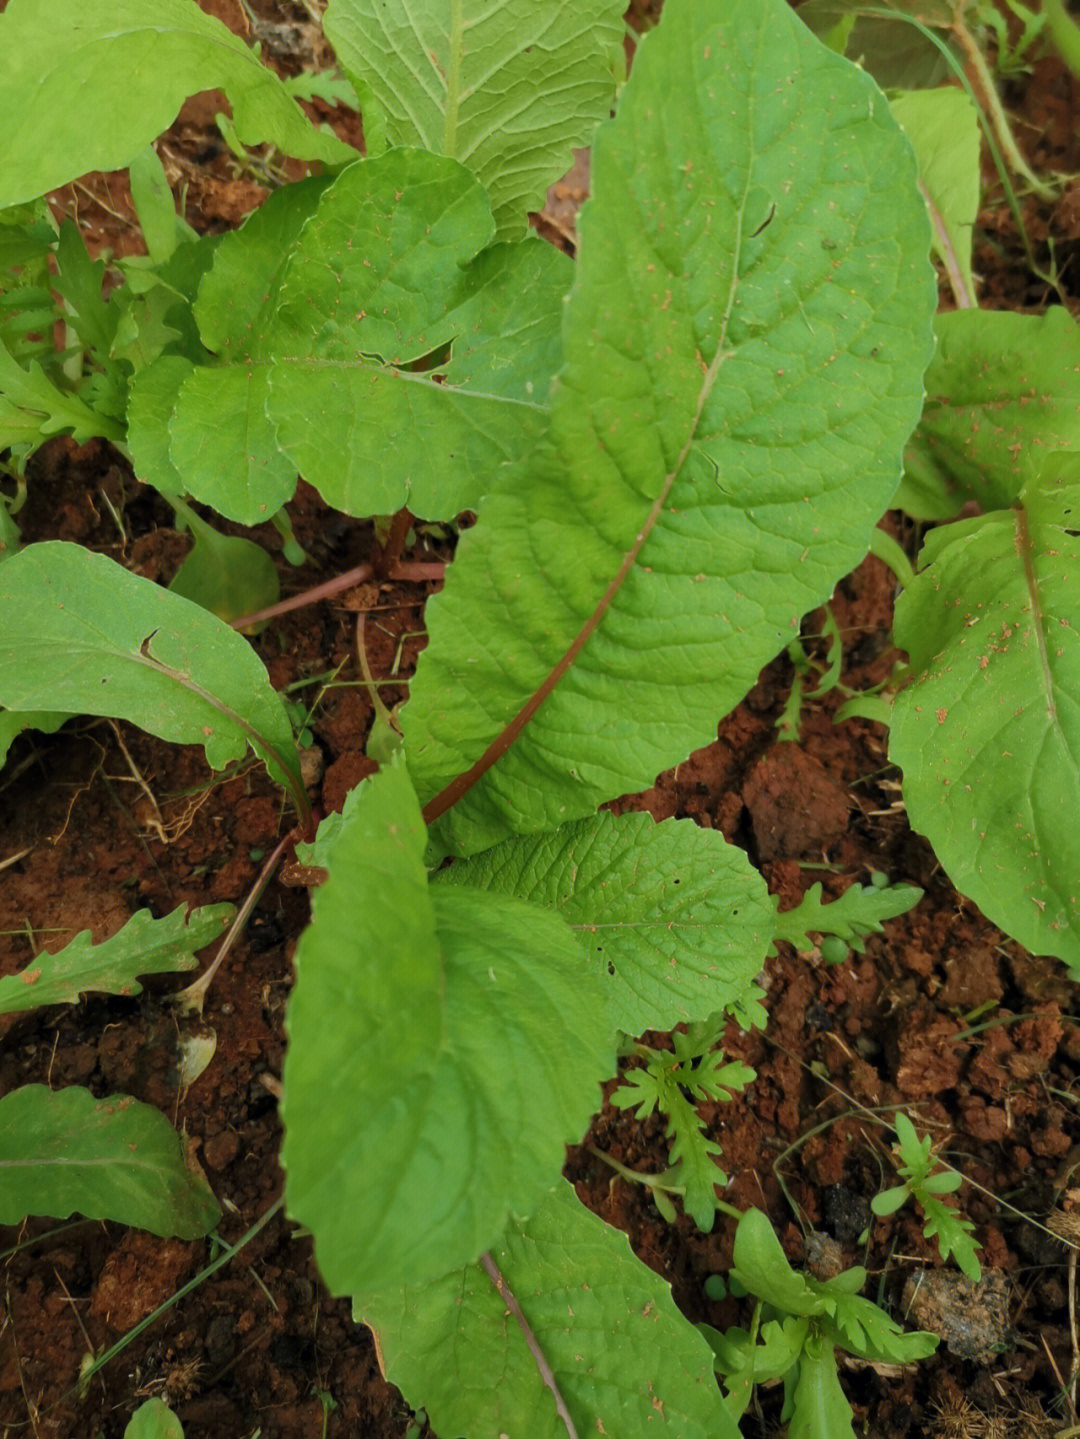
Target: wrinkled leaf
x: 1002, y: 395
x: 988, y: 732
x: 675, y: 921
x: 132, y: 66
x: 508, y: 87
x: 63, y: 1151
x: 372, y: 348
x: 466, y: 1051
x: 622, y: 1355
x: 78, y: 632
x: 143, y: 946
x: 745, y: 342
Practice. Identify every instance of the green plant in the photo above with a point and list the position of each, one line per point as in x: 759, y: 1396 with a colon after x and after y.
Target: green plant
x: 798, y: 1325
x: 924, y: 1182
x: 675, y: 448
x: 675, y: 1082
x: 154, y: 1420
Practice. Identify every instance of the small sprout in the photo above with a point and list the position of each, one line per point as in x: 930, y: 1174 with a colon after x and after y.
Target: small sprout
x: 834, y: 950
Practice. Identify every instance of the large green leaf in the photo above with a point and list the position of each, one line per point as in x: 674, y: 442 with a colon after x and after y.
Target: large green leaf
x: 623, y: 1358
x: 988, y: 732
x: 675, y: 921
x: 466, y: 1049
x: 378, y: 352
x: 507, y: 87
x: 1002, y: 393
x: 12, y: 724
x: 131, y: 66
x: 63, y: 1151
x: 143, y: 946
x: 744, y: 345
x: 79, y: 633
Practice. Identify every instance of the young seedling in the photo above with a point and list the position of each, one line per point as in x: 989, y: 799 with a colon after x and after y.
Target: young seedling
x: 798, y: 1325
x: 925, y: 1183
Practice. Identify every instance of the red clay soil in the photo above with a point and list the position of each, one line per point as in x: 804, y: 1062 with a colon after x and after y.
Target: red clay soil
x: 106, y: 820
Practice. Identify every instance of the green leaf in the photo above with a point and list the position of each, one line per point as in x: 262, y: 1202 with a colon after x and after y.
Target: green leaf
x: 1002, y: 395
x: 860, y: 1327
x: 63, y: 1151
x: 337, y: 389
x: 675, y: 921
x: 763, y: 1269
x: 744, y: 346
x: 151, y: 405
x: 132, y: 67
x: 80, y: 633
x: 507, y: 89
x: 858, y: 912
x: 988, y: 732
x: 226, y: 574
x: 162, y: 227
x: 79, y: 280
x: 895, y: 53
x: 154, y: 1420
x: 32, y: 409
x: 943, y: 127
x: 821, y: 1407
x: 143, y: 946
x: 623, y: 1357
x: 411, y: 1134
x: 12, y: 724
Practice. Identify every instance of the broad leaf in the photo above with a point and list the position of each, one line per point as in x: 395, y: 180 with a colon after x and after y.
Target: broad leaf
x: 675, y: 921
x: 467, y: 1049
x: 143, y: 946
x: 154, y: 1420
x: 1003, y: 394
x: 226, y: 574
x: 893, y: 51
x: 369, y: 348
x: 988, y: 732
x: 943, y: 127
x: 508, y: 88
x: 623, y: 1357
x: 63, y: 1151
x: 132, y: 66
x: 79, y: 633
x: 744, y: 349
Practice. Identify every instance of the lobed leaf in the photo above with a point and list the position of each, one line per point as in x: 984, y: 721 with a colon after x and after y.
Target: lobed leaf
x: 858, y: 912
x: 465, y: 1051
x: 507, y: 87
x: 143, y: 946
x: 1002, y: 396
x: 63, y: 1151
x: 988, y: 732
x: 79, y: 633
x: 623, y: 1357
x: 675, y: 921
x: 744, y: 346
x: 131, y: 66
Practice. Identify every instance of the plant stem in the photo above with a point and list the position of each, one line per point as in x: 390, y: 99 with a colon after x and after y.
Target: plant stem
x: 417, y: 571
x: 965, y: 300
x: 506, y: 1294
x: 995, y: 110
x: 1064, y: 33
x: 191, y: 999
